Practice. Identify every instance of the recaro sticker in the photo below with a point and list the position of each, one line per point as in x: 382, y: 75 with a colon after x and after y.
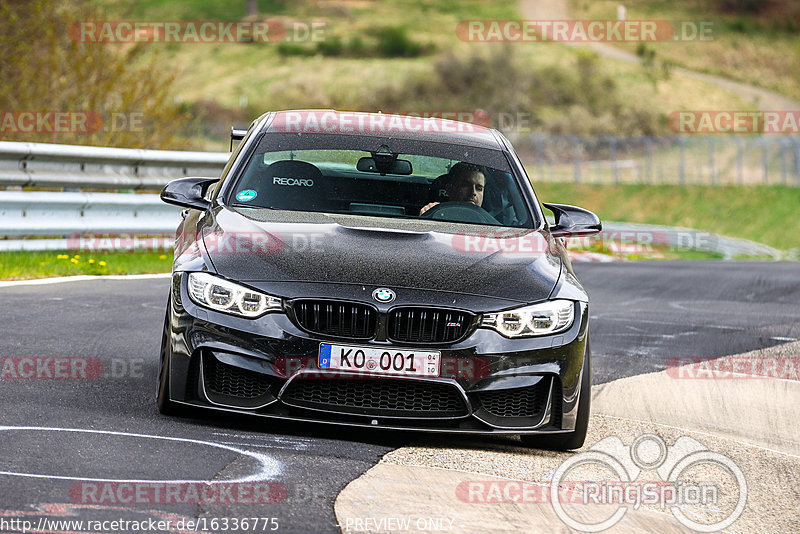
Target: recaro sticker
x: 304, y: 182
x: 246, y: 196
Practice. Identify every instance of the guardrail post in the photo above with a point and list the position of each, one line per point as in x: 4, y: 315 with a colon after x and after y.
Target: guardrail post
x: 739, y: 160
x: 576, y: 155
x: 537, y: 139
x: 612, y: 150
x: 711, y: 163
x: 764, y: 160
x: 784, y: 145
x: 796, y: 156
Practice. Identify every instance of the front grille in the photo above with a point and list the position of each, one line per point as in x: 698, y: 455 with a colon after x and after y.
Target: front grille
x: 226, y: 384
x: 377, y: 396
x: 340, y: 319
x: 529, y: 402
x: 428, y: 325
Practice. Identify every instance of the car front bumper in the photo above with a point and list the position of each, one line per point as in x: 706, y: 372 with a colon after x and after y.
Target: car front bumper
x: 267, y: 367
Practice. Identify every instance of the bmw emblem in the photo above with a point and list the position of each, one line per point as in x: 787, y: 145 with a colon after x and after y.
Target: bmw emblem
x: 383, y: 294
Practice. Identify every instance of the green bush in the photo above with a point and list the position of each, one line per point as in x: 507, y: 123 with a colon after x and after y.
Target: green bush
x: 569, y: 99
x: 395, y: 42
x: 285, y: 49
x: 331, y: 47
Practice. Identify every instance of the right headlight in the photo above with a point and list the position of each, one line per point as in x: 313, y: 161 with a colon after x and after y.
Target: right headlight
x: 228, y: 297
x: 535, y: 320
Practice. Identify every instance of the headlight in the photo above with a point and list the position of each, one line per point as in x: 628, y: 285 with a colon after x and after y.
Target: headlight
x: 221, y: 295
x: 536, y: 320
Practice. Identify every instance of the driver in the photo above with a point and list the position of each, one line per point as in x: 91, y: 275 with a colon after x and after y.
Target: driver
x: 465, y: 183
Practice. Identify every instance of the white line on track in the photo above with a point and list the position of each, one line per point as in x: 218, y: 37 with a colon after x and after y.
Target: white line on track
x: 261, y: 437
x: 269, y: 467
x: 81, y: 278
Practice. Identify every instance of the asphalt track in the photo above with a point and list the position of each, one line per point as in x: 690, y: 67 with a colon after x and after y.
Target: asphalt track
x: 643, y: 315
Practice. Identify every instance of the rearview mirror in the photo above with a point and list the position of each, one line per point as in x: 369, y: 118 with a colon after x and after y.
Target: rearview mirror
x: 398, y: 166
x: 573, y: 221
x: 188, y: 192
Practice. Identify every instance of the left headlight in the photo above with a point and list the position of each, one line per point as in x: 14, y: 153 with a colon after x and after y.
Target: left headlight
x: 225, y: 296
x: 536, y: 320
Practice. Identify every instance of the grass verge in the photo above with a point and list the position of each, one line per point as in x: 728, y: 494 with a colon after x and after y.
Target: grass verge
x: 27, y: 265
x: 766, y: 214
x: 545, y: 86
x: 755, y: 48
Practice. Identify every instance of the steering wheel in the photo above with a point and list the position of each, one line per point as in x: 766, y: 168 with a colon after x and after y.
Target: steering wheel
x: 459, y: 212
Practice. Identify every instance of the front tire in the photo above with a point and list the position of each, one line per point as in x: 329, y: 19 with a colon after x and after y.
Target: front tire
x: 163, y: 402
x: 576, y: 438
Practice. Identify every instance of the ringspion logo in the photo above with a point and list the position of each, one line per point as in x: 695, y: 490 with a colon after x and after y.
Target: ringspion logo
x: 691, y: 476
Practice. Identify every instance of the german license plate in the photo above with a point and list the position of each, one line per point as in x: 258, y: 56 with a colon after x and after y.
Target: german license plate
x: 381, y: 361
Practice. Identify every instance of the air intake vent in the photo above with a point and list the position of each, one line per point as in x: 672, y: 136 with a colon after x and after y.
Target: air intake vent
x: 529, y: 402
x: 376, y: 396
x: 428, y: 325
x: 339, y: 319
x: 234, y: 386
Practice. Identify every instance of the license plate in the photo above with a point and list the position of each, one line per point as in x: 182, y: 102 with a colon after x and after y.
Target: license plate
x: 372, y: 360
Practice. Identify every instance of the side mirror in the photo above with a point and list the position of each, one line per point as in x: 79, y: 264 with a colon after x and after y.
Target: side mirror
x: 573, y: 221
x: 188, y: 192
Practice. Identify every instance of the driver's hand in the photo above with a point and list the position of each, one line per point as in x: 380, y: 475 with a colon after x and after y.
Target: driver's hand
x: 427, y: 207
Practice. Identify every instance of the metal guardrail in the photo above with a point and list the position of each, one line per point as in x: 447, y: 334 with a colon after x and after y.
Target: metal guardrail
x: 57, y: 215
x: 35, y: 213
x: 713, y: 160
x: 87, y: 167
x: 52, y: 217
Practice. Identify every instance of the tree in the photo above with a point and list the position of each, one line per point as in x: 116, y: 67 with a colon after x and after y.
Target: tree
x: 252, y: 8
x: 45, y: 68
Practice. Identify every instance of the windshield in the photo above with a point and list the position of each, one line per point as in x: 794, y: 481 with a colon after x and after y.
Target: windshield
x: 382, y: 177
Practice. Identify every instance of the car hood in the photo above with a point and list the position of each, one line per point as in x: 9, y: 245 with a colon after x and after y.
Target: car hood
x: 260, y: 245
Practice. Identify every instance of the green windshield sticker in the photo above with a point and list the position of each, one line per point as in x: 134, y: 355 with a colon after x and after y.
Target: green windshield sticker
x: 246, y: 196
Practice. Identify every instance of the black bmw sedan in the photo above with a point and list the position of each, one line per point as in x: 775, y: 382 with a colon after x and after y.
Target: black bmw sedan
x: 381, y: 271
